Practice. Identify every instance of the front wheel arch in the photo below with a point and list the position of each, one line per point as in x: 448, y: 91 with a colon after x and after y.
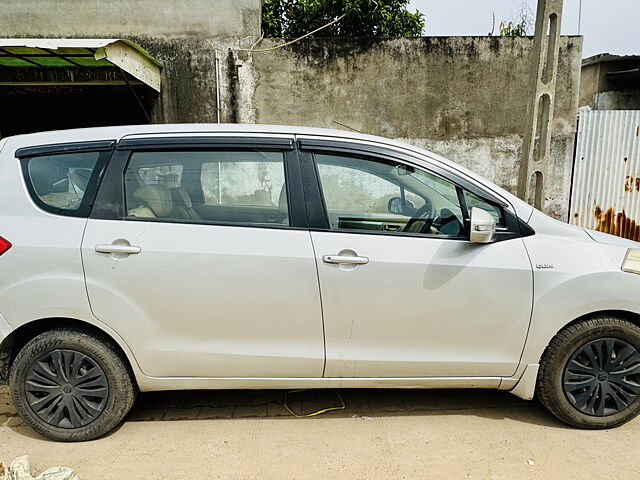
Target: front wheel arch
x: 624, y: 314
x: 552, y: 392
x: 525, y: 386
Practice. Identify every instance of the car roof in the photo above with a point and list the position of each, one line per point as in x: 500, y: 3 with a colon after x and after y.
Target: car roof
x: 117, y: 132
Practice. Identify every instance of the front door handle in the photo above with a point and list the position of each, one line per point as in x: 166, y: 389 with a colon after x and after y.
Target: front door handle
x: 122, y: 249
x: 345, y: 259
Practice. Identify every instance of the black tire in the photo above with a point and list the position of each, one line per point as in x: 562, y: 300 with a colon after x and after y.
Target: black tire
x: 71, y: 385
x: 588, y: 390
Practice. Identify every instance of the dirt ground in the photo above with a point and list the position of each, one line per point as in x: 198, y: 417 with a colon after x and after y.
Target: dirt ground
x: 381, y: 434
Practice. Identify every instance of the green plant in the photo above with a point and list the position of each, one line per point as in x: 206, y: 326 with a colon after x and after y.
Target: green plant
x: 508, y: 29
x: 519, y: 27
x: 364, y: 18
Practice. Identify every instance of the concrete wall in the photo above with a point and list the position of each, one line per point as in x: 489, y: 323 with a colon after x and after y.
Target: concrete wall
x: 603, y: 93
x: 188, y: 92
x: 590, y: 79
x: 183, y: 34
x: 462, y: 97
x: 617, y: 100
x: 116, y: 18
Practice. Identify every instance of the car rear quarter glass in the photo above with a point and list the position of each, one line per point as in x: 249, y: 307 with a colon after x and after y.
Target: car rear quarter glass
x: 64, y: 183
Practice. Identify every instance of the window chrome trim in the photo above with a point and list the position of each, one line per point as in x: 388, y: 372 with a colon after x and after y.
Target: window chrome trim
x: 211, y: 223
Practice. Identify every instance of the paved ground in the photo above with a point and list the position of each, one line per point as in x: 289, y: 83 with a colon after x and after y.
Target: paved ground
x: 386, y: 434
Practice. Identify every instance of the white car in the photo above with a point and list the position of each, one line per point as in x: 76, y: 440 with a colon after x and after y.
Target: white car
x: 164, y: 257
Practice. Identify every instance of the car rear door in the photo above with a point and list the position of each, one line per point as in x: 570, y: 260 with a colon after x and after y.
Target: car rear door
x: 197, y: 256
x: 398, y: 302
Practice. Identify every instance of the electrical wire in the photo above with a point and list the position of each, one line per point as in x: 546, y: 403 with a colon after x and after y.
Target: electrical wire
x: 342, y: 405
x: 252, y: 49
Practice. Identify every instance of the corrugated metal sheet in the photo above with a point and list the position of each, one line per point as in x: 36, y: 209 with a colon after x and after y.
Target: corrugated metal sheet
x: 606, y: 178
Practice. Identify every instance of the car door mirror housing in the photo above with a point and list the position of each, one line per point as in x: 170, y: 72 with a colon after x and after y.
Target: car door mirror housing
x: 483, y: 226
x: 399, y: 206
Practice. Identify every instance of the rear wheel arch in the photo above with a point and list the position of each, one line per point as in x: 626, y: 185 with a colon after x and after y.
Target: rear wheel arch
x: 18, y: 338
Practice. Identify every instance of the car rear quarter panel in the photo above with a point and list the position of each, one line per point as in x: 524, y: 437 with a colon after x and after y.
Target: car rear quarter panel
x: 42, y: 273
x: 41, y: 276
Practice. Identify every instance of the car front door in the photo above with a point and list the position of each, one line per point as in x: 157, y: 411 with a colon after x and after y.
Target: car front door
x: 195, y: 256
x: 404, y: 292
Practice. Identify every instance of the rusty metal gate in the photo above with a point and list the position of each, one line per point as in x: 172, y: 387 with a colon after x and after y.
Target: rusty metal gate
x: 606, y: 179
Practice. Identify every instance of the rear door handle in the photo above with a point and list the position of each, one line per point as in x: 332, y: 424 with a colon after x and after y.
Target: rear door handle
x: 345, y: 259
x: 123, y: 249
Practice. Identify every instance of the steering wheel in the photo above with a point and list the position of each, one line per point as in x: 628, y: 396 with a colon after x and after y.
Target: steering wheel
x: 424, y: 213
x: 447, y: 223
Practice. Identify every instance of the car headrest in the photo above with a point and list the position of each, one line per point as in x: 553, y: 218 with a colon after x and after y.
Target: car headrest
x: 181, y: 197
x: 157, y: 198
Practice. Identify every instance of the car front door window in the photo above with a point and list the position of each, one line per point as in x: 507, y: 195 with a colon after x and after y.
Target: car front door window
x: 373, y: 194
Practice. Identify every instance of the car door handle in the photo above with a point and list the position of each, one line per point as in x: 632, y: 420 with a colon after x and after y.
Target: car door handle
x: 348, y: 259
x: 123, y: 249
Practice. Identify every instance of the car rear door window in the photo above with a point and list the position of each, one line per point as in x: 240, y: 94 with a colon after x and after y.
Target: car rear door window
x: 242, y: 186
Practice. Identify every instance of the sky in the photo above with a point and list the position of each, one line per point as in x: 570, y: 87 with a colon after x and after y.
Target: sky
x: 608, y: 26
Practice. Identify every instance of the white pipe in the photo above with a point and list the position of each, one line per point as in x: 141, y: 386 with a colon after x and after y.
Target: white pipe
x: 217, y: 86
x: 579, y: 16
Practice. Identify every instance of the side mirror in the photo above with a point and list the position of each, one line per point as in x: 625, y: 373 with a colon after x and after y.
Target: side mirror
x: 483, y: 226
x: 399, y: 207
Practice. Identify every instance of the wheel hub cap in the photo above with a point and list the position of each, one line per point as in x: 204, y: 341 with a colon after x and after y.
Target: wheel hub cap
x: 66, y: 389
x: 602, y: 377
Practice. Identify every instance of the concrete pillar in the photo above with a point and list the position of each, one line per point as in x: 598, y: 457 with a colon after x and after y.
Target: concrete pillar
x: 534, y: 163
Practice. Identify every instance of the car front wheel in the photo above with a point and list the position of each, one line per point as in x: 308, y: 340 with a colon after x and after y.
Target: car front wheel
x: 590, y: 373
x: 71, y: 385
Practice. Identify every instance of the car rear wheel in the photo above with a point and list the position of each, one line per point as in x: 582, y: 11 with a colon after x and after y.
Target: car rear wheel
x: 71, y: 385
x: 590, y: 373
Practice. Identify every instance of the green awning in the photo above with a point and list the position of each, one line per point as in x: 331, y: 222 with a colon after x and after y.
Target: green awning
x: 81, y: 53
